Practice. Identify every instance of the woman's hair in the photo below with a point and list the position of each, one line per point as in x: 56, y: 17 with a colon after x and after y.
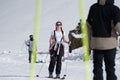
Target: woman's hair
x: 59, y: 23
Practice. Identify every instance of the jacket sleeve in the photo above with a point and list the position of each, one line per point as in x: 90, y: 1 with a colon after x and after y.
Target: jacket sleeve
x: 117, y: 28
x: 116, y: 19
x: 89, y: 24
x: 89, y: 35
x: 90, y: 14
x: 27, y: 43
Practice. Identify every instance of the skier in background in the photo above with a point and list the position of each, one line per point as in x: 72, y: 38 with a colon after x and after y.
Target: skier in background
x: 56, y: 49
x: 29, y: 43
x: 103, y: 23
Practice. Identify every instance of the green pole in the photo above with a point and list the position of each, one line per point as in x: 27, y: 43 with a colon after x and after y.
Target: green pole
x: 85, y: 40
x: 35, y: 36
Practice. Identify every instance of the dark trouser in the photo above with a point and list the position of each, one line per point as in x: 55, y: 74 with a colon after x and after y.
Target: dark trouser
x: 109, y: 58
x: 30, y: 56
x: 56, y: 60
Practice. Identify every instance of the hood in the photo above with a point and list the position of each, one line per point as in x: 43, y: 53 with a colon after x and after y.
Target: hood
x: 106, y: 2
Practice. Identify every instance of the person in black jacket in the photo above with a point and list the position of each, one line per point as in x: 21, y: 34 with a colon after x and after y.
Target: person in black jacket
x: 103, y: 24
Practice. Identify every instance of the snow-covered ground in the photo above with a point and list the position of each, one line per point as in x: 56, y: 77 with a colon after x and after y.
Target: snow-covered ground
x: 15, y: 66
x: 17, y: 23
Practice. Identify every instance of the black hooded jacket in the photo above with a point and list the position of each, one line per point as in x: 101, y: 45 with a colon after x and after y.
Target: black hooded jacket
x: 101, y: 16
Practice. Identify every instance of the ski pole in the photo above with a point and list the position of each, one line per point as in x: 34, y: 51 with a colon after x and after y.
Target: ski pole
x: 42, y: 66
x: 66, y: 67
x: 65, y: 71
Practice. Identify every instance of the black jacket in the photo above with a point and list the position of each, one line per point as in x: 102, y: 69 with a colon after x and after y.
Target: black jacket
x: 101, y: 16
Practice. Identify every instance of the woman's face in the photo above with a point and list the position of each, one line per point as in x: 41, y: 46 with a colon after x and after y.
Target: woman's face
x: 59, y: 25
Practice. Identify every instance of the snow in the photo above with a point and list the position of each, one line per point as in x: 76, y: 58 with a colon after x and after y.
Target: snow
x: 17, y: 23
x: 15, y: 66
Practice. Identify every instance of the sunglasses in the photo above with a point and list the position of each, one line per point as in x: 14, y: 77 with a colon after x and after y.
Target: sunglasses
x: 58, y: 24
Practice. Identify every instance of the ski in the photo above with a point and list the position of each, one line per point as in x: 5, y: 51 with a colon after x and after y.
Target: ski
x: 57, y: 78
x: 63, y: 78
x: 54, y: 78
x: 40, y: 61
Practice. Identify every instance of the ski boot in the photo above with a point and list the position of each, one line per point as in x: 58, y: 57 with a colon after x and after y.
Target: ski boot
x: 50, y: 75
x: 58, y: 76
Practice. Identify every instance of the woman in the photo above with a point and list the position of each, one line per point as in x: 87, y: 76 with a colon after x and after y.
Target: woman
x: 57, y: 49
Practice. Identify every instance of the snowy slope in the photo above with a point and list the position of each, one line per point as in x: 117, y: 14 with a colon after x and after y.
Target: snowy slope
x: 15, y: 66
x: 17, y: 20
x: 17, y: 23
